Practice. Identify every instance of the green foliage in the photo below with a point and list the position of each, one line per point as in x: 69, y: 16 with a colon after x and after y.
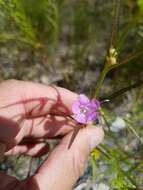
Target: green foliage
x: 122, y: 180
x: 82, y: 26
x: 120, y: 183
x: 32, y: 22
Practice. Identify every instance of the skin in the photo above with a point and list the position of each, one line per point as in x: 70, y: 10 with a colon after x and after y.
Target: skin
x: 31, y: 113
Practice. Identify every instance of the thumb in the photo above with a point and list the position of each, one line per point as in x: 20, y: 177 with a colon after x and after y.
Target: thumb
x: 64, y: 166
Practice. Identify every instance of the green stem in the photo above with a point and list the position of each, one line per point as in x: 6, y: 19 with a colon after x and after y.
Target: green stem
x: 125, y: 173
x: 101, y: 80
x: 93, y: 169
x: 131, y: 127
x: 122, y: 91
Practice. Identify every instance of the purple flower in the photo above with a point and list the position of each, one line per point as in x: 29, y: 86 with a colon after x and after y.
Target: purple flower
x: 85, y: 110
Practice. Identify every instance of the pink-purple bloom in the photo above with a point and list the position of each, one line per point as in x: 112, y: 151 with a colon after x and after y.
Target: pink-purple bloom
x: 85, y: 110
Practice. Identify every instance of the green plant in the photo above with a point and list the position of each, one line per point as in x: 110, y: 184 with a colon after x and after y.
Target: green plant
x: 31, y: 22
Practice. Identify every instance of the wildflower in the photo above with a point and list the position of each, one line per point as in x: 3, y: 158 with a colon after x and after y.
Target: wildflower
x: 85, y: 110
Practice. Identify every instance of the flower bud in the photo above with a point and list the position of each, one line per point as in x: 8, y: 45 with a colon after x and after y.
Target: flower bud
x: 112, y: 56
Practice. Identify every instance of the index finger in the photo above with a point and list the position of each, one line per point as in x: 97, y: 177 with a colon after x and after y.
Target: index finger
x: 34, y: 99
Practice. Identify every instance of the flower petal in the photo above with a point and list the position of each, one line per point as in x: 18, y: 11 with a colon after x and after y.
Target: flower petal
x: 95, y: 104
x: 83, y: 99
x: 75, y: 107
x: 81, y: 118
x: 92, y: 116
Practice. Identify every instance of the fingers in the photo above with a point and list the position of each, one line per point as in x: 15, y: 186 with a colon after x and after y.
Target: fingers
x: 34, y: 99
x: 64, y: 166
x: 8, y: 131
x: 7, y: 182
x: 33, y: 150
x: 33, y: 130
x: 21, y: 100
x: 40, y: 128
x: 48, y: 127
x: 43, y: 127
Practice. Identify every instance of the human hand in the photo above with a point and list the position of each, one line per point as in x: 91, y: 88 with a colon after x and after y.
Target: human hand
x: 30, y: 111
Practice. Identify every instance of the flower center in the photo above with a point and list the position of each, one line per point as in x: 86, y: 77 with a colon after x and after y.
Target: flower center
x: 83, y: 109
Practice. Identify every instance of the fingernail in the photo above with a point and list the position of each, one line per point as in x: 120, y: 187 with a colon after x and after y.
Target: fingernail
x: 96, y: 138
x: 2, y: 149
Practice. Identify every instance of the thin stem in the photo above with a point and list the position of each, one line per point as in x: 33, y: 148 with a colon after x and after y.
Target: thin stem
x: 75, y: 132
x: 115, y: 22
x: 106, y: 122
x: 103, y: 152
x: 109, y: 67
x: 113, y: 36
x: 108, y: 156
x: 101, y: 80
x: 130, y: 126
x: 121, y: 91
x: 127, y: 59
x: 93, y: 168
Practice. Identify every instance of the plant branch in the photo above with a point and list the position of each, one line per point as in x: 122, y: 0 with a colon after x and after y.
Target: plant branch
x: 100, y: 81
x: 122, y: 91
x: 126, y: 60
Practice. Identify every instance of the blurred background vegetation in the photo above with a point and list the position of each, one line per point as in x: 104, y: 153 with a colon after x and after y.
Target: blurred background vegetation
x: 66, y: 43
